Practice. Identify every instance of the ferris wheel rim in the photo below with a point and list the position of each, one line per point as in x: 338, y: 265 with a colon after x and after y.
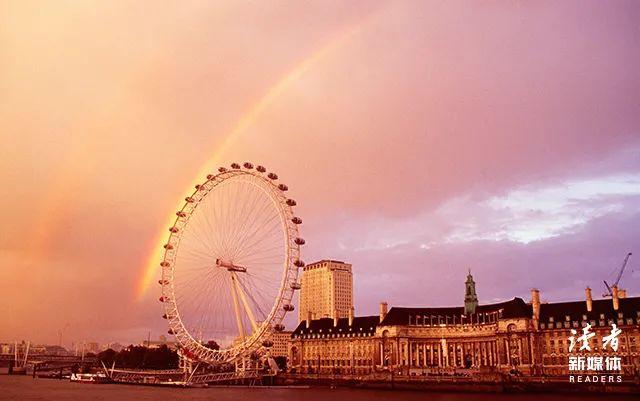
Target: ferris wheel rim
x: 288, y: 284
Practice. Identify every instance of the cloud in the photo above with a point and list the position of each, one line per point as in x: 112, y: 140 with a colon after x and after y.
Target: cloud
x: 560, y: 267
x: 558, y: 237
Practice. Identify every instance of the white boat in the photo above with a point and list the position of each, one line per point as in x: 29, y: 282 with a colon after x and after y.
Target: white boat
x: 93, y: 378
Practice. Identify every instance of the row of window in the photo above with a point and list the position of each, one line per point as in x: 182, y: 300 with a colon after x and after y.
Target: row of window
x: 338, y: 351
x: 593, y: 323
x: 567, y: 318
x: 338, y: 362
x: 336, y: 335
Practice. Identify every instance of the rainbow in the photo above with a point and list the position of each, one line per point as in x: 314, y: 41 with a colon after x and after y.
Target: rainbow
x: 151, y: 268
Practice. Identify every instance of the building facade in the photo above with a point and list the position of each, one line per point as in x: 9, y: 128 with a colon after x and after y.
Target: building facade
x: 280, y: 345
x: 553, y: 323
x: 327, y: 286
x: 334, y: 345
x: 531, y: 338
x: 419, y: 341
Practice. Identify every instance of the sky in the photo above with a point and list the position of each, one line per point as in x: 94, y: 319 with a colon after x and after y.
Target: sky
x: 420, y: 139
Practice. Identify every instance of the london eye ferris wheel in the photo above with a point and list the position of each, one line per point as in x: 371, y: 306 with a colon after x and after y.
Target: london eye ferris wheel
x: 230, y: 264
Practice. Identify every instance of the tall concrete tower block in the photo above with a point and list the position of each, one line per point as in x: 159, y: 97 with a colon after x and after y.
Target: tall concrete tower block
x: 327, y: 290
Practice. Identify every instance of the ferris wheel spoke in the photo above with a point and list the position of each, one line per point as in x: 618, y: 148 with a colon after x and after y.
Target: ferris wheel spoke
x: 254, y: 228
x: 260, y: 254
x: 195, y: 228
x: 205, y: 312
x: 261, y: 214
x: 250, y: 246
x: 221, y: 216
x: 207, y: 215
x: 196, y: 256
x: 206, y: 309
x: 226, y: 220
x: 266, y: 286
x: 189, y: 278
x: 196, y: 283
x: 258, y: 204
x: 254, y: 213
x: 267, y: 234
x: 251, y: 255
x: 232, y: 216
x: 241, y: 214
x: 256, y: 305
x: 198, y: 240
x: 215, y: 224
x: 263, y: 295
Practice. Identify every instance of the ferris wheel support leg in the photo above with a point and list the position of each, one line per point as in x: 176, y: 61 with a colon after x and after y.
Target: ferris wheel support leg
x: 247, y: 309
x: 236, y: 306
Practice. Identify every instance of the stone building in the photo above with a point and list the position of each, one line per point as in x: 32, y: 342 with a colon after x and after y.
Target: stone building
x: 335, y: 345
x: 528, y: 337
x: 280, y: 343
x: 553, y: 323
x: 442, y: 340
x: 327, y: 286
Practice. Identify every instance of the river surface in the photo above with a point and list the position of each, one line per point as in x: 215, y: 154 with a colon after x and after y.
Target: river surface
x: 25, y: 388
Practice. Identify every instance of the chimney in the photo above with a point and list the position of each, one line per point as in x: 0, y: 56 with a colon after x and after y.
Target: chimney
x: 383, y: 311
x: 535, y: 304
x: 616, y: 297
x: 308, y: 319
x: 335, y: 318
x: 587, y: 291
x: 351, y: 313
x: 622, y: 293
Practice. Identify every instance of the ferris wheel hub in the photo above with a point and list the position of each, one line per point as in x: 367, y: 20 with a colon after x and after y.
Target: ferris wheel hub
x: 230, y: 266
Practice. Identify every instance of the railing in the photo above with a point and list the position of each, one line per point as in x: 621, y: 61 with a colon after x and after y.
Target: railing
x: 224, y: 377
x: 178, y: 376
x: 46, y: 357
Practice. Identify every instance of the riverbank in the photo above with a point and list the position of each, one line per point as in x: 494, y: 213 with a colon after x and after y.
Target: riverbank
x: 487, y: 384
x: 444, y: 384
x: 25, y: 388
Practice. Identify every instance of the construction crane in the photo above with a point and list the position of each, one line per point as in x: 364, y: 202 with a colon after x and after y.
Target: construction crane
x: 609, y: 292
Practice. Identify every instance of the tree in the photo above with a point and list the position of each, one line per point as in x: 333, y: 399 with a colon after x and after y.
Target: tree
x: 138, y: 357
x: 107, y: 356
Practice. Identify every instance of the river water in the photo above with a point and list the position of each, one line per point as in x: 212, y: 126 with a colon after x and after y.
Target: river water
x: 24, y: 388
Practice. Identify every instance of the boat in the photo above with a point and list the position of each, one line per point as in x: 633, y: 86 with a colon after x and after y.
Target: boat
x: 92, y: 378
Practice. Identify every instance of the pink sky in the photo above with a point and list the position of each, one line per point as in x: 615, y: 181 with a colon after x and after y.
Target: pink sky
x: 420, y: 139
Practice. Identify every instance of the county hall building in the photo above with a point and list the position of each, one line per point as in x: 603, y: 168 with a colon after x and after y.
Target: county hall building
x: 528, y: 337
